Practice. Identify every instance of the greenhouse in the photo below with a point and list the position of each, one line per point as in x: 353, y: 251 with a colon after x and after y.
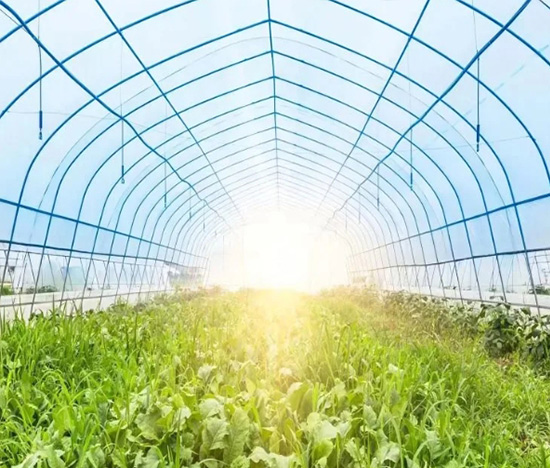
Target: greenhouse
x: 275, y: 233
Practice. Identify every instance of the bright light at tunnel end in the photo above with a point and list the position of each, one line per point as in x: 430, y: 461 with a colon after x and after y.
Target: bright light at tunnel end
x: 279, y: 251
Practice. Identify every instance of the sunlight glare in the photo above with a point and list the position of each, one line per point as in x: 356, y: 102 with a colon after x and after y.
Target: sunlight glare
x: 278, y: 252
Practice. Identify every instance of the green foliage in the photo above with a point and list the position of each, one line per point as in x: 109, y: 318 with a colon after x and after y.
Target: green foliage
x: 6, y: 290
x: 41, y: 289
x: 504, y: 330
x: 260, y: 380
x: 540, y: 289
x: 502, y: 327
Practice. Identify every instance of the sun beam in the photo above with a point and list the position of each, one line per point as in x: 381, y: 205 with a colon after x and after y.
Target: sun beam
x: 279, y: 252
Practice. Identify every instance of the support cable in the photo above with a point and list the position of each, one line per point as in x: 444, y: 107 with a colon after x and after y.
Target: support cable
x: 40, y: 100
x: 122, y: 143
x: 379, y: 98
x: 359, y: 202
x: 98, y: 100
x: 411, y: 139
x: 165, y: 197
x: 378, y: 187
x: 177, y: 114
x: 478, y: 124
x: 439, y: 99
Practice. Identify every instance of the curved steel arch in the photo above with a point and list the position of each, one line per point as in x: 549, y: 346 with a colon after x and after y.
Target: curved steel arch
x: 403, y: 219
x: 389, y: 198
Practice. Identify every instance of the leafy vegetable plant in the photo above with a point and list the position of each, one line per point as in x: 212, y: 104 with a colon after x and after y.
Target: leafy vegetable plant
x: 269, y: 380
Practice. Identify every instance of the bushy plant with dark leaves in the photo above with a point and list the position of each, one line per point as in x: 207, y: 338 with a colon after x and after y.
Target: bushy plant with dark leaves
x: 501, y: 326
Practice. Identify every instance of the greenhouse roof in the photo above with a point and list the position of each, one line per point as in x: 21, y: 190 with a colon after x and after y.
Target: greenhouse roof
x: 417, y: 130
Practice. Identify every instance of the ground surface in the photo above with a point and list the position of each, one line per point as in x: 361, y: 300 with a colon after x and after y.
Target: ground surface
x: 261, y: 379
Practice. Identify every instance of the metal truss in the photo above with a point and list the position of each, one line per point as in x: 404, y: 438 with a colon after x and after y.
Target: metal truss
x: 280, y: 128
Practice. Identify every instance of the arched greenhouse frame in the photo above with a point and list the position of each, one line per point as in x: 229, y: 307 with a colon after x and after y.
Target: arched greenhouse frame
x: 134, y: 137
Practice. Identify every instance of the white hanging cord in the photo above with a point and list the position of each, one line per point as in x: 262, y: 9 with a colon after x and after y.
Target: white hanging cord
x: 122, y: 169
x: 411, y: 137
x: 359, y: 198
x: 204, y: 216
x: 40, y: 111
x: 378, y: 187
x: 165, y: 163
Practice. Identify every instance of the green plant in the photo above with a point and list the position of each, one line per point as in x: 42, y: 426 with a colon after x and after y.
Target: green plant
x: 541, y: 289
x: 6, y: 290
x: 264, y: 380
x: 41, y: 289
x: 502, y: 329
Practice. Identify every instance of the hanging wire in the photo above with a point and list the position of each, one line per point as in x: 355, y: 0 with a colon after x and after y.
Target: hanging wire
x: 378, y: 187
x: 122, y: 170
x: 40, y: 110
x: 165, y: 191
x: 359, y: 199
x: 204, y: 216
x: 165, y: 163
x: 411, y: 162
x: 346, y: 218
x: 478, y: 125
x: 411, y: 138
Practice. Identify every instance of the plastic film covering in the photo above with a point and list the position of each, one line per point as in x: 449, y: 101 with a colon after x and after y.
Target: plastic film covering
x: 133, y: 134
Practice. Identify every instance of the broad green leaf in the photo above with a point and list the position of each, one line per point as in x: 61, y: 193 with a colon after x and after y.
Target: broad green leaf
x: 322, y: 449
x: 52, y: 456
x: 151, y: 460
x: 213, y: 435
x: 62, y: 419
x: 147, y: 423
x: 210, y: 407
x: 119, y: 458
x: 180, y: 418
x: 325, y: 430
x: 370, y: 417
x: 295, y: 394
x: 96, y: 457
x: 280, y: 461
x: 356, y: 452
x: 433, y: 442
x: 413, y: 464
x: 320, y: 429
x: 313, y: 420
x: 205, y: 372
x: 238, y: 433
x: 343, y: 428
x: 388, y: 451
x: 259, y: 455
x: 240, y: 462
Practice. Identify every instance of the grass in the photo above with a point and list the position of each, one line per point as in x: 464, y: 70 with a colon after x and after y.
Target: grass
x: 258, y: 379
